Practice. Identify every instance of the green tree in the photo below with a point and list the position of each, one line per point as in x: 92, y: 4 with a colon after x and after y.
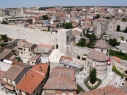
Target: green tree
x: 125, y: 31
x: 82, y: 42
x: 98, y: 16
x: 124, y: 19
x: 93, y: 76
x: 4, y: 22
x: 108, y: 17
x: 113, y: 16
x: 113, y: 42
x: 18, y: 59
x: 5, y: 38
x: 120, y: 54
x: 45, y: 17
x: 67, y: 25
x: 118, y: 28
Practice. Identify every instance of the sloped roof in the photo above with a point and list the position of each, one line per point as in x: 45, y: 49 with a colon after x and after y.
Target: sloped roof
x: 1, y: 77
x: 98, y: 56
x: 27, y: 45
x: 33, y: 78
x: 116, y: 59
x: 60, y: 83
x: 101, y: 44
x: 5, y: 52
x: 61, y: 78
x: 108, y: 90
x: 34, y: 58
x: 66, y: 58
x: 15, y: 70
x: 45, y: 48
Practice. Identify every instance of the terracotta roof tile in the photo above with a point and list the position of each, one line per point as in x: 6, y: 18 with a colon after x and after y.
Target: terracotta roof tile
x: 116, y: 59
x: 61, y: 78
x: 16, y: 62
x: 98, y: 56
x: 67, y: 58
x: 108, y: 90
x: 33, y: 78
x: 101, y: 44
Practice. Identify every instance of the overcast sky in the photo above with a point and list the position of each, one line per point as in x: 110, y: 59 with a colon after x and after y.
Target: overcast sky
x: 38, y: 3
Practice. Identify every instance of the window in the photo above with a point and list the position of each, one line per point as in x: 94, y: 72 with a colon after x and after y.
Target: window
x: 67, y: 38
x: 63, y: 91
x: 78, y: 57
x: 56, y: 46
x: 83, y: 58
x: 71, y: 91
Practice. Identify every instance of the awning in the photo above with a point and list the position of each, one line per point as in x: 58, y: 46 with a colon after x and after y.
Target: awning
x: 9, y: 87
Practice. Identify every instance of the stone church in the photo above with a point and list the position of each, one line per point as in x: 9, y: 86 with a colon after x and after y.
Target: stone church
x: 98, y: 58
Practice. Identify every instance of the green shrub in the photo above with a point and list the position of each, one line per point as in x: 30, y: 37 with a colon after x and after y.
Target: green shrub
x: 5, y: 38
x: 121, y: 55
x: 4, y: 22
x: 18, y: 59
x: 3, y: 44
x: 113, y: 42
x: 117, y: 71
x: 80, y: 89
x: 99, y: 82
x: 67, y: 25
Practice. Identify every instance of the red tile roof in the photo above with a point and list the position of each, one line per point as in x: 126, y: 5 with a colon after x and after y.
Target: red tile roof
x: 61, y: 78
x: 67, y: 58
x: 108, y: 90
x: 33, y: 78
x: 116, y: 59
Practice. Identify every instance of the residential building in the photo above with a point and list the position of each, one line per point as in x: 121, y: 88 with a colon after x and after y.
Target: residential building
x: 61, y: 81
x: 33, y: 81
x: 6, y: 54
x: 27, y: 48
x: 44, y: 50
x: 34, y: 60
x: 13, y: 76
x: 68, y: 62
